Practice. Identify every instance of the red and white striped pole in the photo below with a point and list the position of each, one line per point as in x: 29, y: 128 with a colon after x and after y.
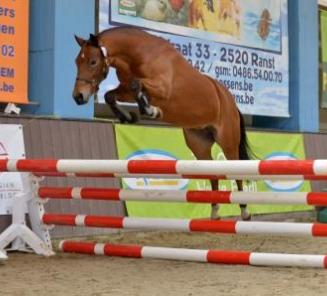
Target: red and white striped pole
x: 189, y: 225
x: 187, y: 168
x: 199, y: 177
x: 192, y: 196
x: 209, y: 256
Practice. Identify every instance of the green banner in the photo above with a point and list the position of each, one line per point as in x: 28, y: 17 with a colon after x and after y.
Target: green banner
x: 137, y: 142
x: 323, y: 30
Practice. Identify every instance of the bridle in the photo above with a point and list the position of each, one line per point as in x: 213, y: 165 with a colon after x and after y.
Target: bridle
x: 95, y: 82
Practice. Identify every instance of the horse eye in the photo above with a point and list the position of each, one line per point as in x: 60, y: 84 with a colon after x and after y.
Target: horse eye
x: 93, y: 62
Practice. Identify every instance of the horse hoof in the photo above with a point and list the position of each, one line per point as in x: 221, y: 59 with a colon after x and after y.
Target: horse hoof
x: 246, y: 216
x: 159, y: 114
x: 214, y: 212
x: 214, y: 215
x: 122, y: 119
x: 133, y: 117
x: 154, y: 112
x: 142, y: 111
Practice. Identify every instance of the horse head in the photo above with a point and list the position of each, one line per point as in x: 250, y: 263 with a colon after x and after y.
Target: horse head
x: 92, y: 68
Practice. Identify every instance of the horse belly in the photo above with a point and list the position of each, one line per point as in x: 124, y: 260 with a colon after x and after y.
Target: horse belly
x: 192, y: 105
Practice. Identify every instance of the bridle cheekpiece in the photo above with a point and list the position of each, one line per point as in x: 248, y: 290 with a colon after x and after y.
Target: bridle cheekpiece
x: 95, y: 82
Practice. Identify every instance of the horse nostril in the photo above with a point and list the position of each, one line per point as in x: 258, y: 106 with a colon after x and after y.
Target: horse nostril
x: 79, y: 99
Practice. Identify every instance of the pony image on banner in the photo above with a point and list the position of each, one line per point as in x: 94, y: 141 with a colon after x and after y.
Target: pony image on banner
x: 264, y: 24
x: 230, y: 17
x: 197, y: 15
x: 219, y: 16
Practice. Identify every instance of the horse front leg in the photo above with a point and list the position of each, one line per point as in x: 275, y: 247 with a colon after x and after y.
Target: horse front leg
x: 143, y: 101
x: 123, y: 116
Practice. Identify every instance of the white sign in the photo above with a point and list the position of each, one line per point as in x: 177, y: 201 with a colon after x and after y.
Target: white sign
x: 11, y: 146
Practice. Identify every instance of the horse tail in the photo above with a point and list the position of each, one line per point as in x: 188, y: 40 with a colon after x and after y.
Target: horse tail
x: 244, y: 148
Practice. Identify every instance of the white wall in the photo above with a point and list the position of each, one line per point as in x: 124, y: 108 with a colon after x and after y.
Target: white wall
x: 322, y: 2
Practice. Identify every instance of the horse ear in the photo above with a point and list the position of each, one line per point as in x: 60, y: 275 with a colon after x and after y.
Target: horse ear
x: 93, y: 40
x: 80, y: 40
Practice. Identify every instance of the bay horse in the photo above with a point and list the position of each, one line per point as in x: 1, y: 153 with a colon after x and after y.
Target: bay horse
x: 165, y: 86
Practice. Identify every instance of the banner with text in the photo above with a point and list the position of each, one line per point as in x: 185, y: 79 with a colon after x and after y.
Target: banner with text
x: 11, y: 146
x: 323, y: 32
x: 242, y: 44
x: 137, y: 142
x: 14, y: 32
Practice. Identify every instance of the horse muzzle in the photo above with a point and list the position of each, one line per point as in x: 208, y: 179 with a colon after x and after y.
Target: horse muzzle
x: 79, y: 99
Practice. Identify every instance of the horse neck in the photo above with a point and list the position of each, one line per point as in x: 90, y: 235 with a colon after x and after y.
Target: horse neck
x: 119, y: 45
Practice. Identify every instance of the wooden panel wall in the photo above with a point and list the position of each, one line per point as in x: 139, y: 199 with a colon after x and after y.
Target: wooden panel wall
x: 46, y: 138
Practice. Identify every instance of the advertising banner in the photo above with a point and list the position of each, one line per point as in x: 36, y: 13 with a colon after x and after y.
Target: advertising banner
x: 323, y: 32
x: 242, y: 44
x: 137, y: 142
x: 11, y: 146
x: 14, y: 32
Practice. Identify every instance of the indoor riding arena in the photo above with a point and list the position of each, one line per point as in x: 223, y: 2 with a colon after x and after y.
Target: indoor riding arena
x: 163, y: 147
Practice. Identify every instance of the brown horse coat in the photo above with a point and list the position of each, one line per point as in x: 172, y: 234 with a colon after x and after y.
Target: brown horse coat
x: 204, y: 108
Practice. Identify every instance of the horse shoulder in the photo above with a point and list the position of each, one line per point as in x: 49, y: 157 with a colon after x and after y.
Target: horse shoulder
x: 123, y: 69
x: 119, y: 64
x: 160, y: 67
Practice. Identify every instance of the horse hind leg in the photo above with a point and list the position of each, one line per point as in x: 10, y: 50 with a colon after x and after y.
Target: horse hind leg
x: 200, y: 142
x: 244, y: 212
x: 231, y: 149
